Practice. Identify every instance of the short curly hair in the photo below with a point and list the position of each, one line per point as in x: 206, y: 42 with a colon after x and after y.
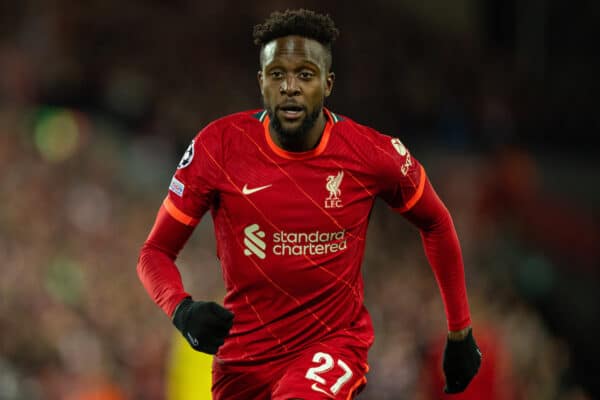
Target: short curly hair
x: 301, y: 22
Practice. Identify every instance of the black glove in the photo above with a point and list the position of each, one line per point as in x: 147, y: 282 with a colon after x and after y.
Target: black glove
x: 205, y: 325
x: 462, y: 359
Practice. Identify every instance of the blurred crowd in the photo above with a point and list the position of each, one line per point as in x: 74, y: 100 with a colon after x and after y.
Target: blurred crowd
x: 97, y: 104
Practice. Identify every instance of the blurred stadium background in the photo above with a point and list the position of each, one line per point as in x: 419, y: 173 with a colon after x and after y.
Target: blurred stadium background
x: 499, y: 99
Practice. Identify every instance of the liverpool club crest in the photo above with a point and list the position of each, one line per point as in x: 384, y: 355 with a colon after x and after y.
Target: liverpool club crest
x: 333, y: 186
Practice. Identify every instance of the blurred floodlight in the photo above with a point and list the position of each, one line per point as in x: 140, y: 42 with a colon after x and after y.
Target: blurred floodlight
x: 57, y: 134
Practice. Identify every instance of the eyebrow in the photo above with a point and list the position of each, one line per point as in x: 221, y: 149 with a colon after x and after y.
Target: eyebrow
x: 303, y: 64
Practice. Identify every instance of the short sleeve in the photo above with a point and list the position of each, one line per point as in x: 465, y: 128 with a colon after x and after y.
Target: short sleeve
x: 194, y: 184
x: 401, y: 178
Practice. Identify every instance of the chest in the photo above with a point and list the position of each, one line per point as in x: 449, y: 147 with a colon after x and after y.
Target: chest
x: 323, y: 193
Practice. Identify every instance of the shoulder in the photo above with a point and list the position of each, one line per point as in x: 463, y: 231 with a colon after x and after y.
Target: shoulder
x: 228, y: 126
x: 384, y: 154
x: 363, y: 137
x: 239, y: 120
x: 242, y: 117
x: 351, y: 128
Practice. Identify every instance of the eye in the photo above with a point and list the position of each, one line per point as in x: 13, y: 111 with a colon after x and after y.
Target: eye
x: 306, y: 75
x: 276, y: 74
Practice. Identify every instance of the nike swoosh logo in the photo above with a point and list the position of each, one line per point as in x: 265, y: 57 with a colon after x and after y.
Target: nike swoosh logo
x: 246, y: 190
x: 318, y: 389
x: 193, y: 340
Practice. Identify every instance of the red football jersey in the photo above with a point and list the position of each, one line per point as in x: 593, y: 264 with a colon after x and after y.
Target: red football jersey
x: 290, y: 227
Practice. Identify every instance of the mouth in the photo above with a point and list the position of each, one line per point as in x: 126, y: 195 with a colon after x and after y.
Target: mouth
x: 290, y: 111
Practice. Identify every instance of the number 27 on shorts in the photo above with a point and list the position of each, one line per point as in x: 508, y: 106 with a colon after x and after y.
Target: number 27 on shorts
x: 326, y: 363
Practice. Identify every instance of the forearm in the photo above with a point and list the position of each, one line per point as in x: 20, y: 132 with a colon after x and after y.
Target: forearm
x: 443, y: 252
x: 161, y: 278
x: 156, y: 264
x: 442, y: 249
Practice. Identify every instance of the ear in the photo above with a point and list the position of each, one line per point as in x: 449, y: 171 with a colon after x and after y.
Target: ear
x: 329, y: 83
x: 259, y: 77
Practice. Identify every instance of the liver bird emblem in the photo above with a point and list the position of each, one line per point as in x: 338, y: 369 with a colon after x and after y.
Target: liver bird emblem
x: 333, y: 185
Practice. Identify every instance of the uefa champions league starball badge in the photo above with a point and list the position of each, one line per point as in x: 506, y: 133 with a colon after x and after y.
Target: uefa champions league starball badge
x: 188, y: 156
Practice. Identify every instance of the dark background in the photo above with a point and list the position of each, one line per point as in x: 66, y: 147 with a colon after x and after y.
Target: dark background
x: 99, y: 99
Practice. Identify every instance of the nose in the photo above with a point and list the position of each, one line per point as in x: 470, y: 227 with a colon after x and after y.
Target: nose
x: 289, y: 86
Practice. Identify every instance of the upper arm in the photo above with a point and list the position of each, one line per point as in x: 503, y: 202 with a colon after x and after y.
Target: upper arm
x: 429, y: 211
x: 401, y: 177
x: 195, y: 182
x: 168, y: 235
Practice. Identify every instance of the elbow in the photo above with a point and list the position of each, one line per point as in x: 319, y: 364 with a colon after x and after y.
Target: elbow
x: 143, y: 257
x: 442, y: 222
x: 148, y: 252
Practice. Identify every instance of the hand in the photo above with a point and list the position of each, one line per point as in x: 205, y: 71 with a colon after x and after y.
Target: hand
x: 205, y: 325
x: 462, y: 359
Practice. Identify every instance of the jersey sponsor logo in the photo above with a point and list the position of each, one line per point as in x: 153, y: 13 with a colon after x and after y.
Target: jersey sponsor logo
x: 177, y: 187
x: 253, y: 241
x: 293, y: 243
x: 188, y: 156
x: 246, y: 190
x: 333, y: 186
x: 401, y: 149
x: 308, y: 243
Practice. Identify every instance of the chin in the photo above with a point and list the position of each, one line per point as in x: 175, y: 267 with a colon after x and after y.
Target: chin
x: 291, y: 130
x: 296, y: 129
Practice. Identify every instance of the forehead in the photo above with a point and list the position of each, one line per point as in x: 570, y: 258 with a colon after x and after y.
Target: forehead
x: 293, y: 48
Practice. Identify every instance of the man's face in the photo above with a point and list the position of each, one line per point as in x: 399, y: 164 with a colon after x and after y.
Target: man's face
x: 294, y: 82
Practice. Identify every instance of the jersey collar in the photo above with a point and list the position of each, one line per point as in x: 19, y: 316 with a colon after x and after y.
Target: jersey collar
x: 293, y: 155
